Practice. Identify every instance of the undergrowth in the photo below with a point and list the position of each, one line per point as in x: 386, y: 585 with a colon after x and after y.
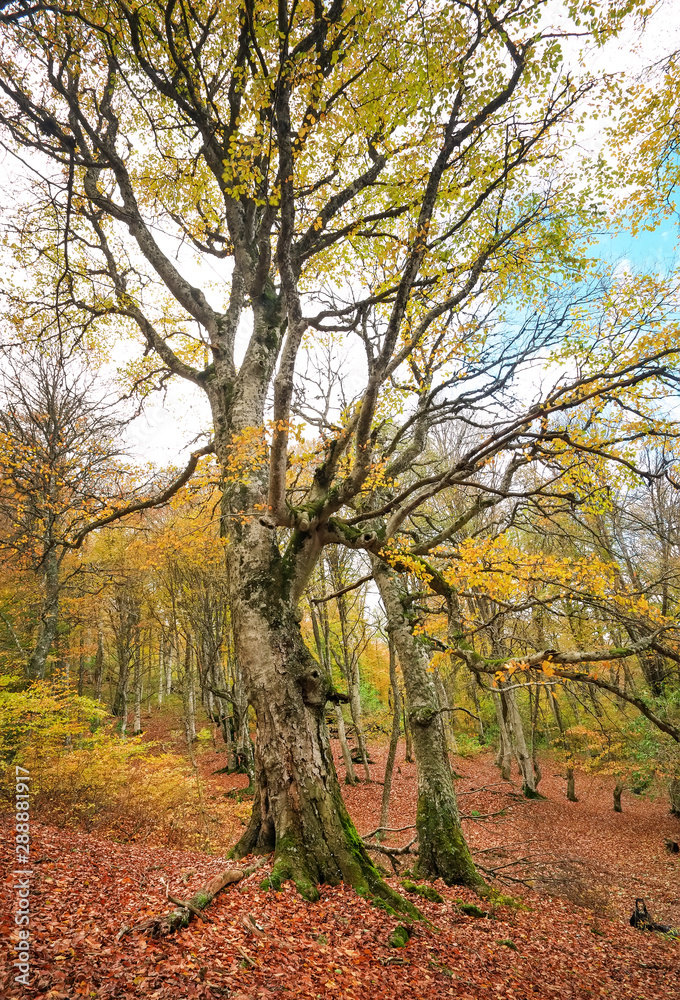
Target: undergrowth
x: 85, y: 775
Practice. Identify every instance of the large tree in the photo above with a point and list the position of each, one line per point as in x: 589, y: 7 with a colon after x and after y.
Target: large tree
x: 381, y: 172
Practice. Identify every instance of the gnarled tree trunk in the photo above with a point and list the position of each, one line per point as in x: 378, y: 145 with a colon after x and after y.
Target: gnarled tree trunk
x: 298, y: 809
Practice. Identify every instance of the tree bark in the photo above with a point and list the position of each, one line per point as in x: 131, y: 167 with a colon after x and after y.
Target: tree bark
x: 99, y: 664
x: 137, y: 681
x: 472, y: 688
x: 394, y: 738
x: 408, y: 738
x: 442, y: 849
x: 447, y: 717
x: 571, y: 783
x: 618, y: 788
x: 298, y: 809
x: 81, y: 664
x: 49, y: 619
x: 322, y: 641
x: 503, y: 758
x: 189, y: 713
x: 674, y: 796
x: 534, y: 702
x: 516, y: 730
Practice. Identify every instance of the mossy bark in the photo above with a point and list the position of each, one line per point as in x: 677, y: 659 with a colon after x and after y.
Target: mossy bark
x: 442, y: 849
x: 298, y: 810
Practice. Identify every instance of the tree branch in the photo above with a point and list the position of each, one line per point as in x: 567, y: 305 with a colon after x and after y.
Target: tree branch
x: 156, y: 501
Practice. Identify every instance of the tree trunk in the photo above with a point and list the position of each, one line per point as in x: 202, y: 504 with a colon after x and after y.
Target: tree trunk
x: 99, y: 664
x: 472, y: 688
x: 442, y: 850
x: 81, y: 664
x: 504, y: 755
x: 161, y: 671
x: 350, y: 776
x: 348, y: 662
x: 137, y: 724
x: 447, y: 717
x: 534, y: 701
x: 298, y: 809
x: 120, y: 704
x: 674, y: 796
x: 394, y: 738
x: 322, y: 641
x: 516, y: 730
x: 618, y: 788
x: 408, y: 739
x: 188, y: 714
x: 571, y: 784
x: 49, y: 619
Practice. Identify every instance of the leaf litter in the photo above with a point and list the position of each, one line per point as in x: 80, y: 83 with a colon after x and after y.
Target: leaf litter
x: 570, y: 938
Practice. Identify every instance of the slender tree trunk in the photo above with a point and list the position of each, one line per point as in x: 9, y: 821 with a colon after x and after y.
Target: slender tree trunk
x: 99, y: 664
x: 516, y: 730
x: 442, y: 850
x: 350, y: 776
x: 49, y: 619
x: 472, y: 688
x: 188, y: 696
x: 534, y: 701
x: 571, y: 783
x: 504, y: 755
x: 674, y: 796
x: 394, y: 737
x: 447, y: 718
x: 119, y: 706
x: 355, y: 710
x: 81, y: 664
x: 618, y: 788
x: 161, y: 671
x: 322, y: 641
x: 137, y: 680
x: 408, y: 736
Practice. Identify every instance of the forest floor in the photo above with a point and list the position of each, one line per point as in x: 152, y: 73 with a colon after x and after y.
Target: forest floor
x: 570, y: 936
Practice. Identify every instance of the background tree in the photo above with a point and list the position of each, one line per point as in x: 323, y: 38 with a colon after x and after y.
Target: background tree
x: 60, y: 452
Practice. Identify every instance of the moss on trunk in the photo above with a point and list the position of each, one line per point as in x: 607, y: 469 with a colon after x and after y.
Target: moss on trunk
x: 443, y: 850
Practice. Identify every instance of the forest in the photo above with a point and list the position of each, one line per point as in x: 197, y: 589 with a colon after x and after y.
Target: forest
x: 340, y: 499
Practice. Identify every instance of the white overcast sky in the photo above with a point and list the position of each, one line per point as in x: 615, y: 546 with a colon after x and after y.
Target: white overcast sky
x: 170, y: 424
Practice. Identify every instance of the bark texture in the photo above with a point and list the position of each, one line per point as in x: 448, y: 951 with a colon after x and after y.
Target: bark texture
x: 442, y: 849
x: 674, y: 796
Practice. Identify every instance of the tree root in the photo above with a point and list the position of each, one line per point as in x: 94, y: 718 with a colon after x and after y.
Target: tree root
x: 168, y: 923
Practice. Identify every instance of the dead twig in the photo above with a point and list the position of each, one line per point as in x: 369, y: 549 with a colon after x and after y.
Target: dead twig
x: 388, y: 829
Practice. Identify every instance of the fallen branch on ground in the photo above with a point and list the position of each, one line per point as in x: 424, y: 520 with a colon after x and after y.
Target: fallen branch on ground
x: 393, y: 852
x: 168, y: 923
x: 388, y: 829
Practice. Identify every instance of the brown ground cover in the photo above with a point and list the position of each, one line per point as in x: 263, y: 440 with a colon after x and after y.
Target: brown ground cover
x: 85, y: 888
